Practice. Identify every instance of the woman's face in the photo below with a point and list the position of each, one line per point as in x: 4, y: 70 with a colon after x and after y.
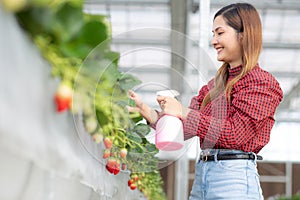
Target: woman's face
x: 227, y: 43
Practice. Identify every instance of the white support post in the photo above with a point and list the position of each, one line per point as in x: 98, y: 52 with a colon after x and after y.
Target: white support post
x: 204, y: 24
x: 204, y: 14
x: 289, y: 175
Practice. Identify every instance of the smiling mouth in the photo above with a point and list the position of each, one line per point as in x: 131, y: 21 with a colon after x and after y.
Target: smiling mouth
x: 219, y: 49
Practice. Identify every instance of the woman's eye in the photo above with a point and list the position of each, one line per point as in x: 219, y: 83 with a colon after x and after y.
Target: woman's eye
x: 218, y: 33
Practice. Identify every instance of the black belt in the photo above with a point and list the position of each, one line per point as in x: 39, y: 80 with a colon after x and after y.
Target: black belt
x: 237, y: 156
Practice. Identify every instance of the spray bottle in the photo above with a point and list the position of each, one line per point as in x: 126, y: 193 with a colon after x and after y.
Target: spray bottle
x: 169, y: 129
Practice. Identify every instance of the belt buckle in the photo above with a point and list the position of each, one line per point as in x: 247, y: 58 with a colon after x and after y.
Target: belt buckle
x: 204, y: 158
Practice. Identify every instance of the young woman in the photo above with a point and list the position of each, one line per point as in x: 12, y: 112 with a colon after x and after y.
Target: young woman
x: 233, y: 114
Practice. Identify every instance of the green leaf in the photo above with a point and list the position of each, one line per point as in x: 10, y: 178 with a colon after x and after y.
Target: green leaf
x: 102, y: 118
x: 142, y: 129
x: 135, y: 117
x: 36, y: 20
x: 113, y: 56
x: 68, y: 22
x: 111, y: 74
x: 134, y: 137
x: 75, y: 49
x: 151, y: 148
x: 102, y: 18
x: 128, y: 81
x: 93, y: 33
x: 53, y: 4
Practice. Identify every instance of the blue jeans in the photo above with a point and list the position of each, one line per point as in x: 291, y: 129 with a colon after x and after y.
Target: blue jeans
x: 226, y: 179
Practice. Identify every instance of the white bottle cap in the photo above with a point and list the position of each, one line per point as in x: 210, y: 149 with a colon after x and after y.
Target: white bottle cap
x: 168, y: 93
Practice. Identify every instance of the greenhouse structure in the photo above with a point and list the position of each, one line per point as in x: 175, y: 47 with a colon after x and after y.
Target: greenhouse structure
x: 66, y: 68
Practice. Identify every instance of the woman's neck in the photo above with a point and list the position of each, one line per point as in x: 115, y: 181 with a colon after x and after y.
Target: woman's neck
x: 232, y: 66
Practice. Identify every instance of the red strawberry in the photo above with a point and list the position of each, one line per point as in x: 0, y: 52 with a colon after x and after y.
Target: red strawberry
x: 106, y: 153
x: 130, y: 181
x: 110, y: 165
x: 123, y: 153
x: 117, y: 167
x: 112, y: 162
x: 113, y: 166
x: 107, y: 142
x: 116, y: 170
x: 110, y: 169
x: 63, y: 97
x: 135, y: 177
x: 133, y: 186
x: 124, y: 166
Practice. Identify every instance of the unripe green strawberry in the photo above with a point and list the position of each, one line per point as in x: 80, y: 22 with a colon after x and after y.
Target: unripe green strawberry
x: 90, y: 124
x: 14, y: 5
x: 97, y: 137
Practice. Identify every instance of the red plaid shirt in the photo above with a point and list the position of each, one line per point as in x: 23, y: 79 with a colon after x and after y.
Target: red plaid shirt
x: 243, y: 124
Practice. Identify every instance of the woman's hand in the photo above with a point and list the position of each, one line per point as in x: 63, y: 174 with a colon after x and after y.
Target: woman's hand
x: 171, y: 106
x: 138, y: 102
x: 150, y: 115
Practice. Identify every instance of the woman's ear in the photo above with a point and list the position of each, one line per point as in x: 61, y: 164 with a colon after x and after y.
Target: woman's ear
x: 240, y: 36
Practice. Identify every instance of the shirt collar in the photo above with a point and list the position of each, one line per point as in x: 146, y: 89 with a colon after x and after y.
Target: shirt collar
x: 234, y: 71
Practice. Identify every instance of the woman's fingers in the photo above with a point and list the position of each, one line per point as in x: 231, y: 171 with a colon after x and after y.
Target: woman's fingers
x: 136, y: 98
x: 170, y: 105
x: 131, y: 94
x: 161, y: 101
x: 161, y: 98
x: 133, y: 109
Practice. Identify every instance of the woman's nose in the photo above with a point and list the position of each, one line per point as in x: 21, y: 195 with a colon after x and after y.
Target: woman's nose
x: 214, y: 41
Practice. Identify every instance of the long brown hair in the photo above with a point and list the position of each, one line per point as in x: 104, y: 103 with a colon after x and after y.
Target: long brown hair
x: 244, y: 18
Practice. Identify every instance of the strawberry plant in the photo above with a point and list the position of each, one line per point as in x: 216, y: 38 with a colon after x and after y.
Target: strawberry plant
x: 77, y: 45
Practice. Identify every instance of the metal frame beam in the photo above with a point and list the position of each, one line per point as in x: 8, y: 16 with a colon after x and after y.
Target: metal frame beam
x: 259, y: 4
x: 266, y: 45
x: 148, y: 70
x: 179, y: 14
x: 128, y: 2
